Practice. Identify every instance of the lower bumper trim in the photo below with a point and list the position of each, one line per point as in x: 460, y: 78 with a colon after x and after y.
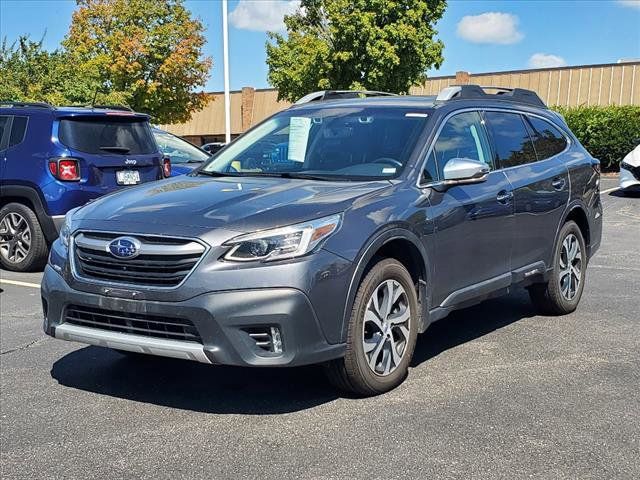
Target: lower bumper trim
x: 132, y: 343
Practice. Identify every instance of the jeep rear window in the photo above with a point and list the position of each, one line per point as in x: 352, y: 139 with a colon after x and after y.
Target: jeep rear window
x: 102, y: 135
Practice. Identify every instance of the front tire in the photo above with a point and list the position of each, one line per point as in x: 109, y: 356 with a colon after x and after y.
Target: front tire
x: 23, y: 247
x: 382, y: 332
x: 562, y: 293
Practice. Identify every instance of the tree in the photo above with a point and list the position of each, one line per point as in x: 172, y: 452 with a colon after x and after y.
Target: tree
x: 146, y: 54
x: 30, y: 73
x: 383, y: 45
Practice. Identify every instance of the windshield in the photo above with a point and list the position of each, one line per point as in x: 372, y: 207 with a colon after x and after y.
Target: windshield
x: 179, y: 150
x: 107, y: 135
x: 337, y: 143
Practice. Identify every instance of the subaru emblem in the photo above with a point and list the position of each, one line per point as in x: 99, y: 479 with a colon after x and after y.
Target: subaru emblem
x: 125, y: 247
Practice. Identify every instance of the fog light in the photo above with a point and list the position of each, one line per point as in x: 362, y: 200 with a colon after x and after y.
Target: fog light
x: 276, y: 340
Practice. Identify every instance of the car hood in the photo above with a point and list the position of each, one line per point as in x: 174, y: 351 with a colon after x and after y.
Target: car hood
x: 238, y: 204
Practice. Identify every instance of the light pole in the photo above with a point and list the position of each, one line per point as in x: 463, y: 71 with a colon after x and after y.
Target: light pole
x: 225, y: 60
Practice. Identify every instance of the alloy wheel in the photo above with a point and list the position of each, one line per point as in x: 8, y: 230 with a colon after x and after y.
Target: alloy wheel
x: 385, y: 330
x: 15, y: 237
x: 570, y: 274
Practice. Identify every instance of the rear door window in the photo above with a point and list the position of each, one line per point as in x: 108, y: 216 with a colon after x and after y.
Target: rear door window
x: 107, y: 135
x: 513, y: 146
x: 4, y: 124
x: 547, y: 139
x: 18, y: 129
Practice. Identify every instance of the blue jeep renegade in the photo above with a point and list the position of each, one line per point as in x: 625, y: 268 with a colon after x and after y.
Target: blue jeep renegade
x: 56, y: 158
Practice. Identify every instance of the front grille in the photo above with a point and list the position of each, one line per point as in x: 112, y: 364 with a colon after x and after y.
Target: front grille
x: 161, y: 262
x: 136, y: 323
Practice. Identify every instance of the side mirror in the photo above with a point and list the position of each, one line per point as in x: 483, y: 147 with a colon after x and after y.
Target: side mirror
x: 459, y: 171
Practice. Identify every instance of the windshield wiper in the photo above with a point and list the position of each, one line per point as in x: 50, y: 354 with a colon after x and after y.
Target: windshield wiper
x: 213, y: 173
x: 296, y: 175
x: 313, y: 176
x: 116, y: 148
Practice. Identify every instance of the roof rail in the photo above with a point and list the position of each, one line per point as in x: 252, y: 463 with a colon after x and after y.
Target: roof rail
x: 13, y: 103
x: 337, y: 94
x: 465, y: 92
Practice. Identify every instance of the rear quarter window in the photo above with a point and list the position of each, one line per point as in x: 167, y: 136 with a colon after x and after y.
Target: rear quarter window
x: 547, y: 139
x: 102, y: 135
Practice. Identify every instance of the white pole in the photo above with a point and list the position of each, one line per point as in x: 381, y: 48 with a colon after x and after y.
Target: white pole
x: 225, y: 57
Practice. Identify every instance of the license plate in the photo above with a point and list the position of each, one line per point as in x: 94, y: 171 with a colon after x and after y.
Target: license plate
x: 128, y: 177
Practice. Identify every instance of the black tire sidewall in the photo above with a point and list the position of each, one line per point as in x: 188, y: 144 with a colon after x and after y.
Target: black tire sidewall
x: 388, y: 269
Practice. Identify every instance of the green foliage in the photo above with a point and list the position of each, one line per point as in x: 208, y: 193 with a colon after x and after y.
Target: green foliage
x: 146, y: 54
x: 30, y: 73
x: 608, y: 133
x: 385, y: 45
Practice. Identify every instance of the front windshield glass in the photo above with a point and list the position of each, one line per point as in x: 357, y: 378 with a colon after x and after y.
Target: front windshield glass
x: 178, y: 150
x: 340, y: 143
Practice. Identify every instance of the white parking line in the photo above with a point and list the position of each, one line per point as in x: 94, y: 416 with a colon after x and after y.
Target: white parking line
x: 609, y: 190
x: 20, y: 284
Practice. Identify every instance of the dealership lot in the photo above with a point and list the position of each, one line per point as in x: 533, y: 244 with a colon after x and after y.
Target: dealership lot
x: 495, y: 392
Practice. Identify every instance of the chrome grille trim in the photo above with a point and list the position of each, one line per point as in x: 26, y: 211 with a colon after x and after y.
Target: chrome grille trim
x: 95, y: 244
x: 191, y: 248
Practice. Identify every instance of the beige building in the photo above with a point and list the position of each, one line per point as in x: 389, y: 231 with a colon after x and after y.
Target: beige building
x: 604, y: 84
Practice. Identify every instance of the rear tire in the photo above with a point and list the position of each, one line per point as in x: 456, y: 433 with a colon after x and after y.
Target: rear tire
x: 23, y: 247
x: 562, y: 293
x: 381, y: 335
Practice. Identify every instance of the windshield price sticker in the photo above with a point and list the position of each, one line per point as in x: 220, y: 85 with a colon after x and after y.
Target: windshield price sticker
x: 299, y: 128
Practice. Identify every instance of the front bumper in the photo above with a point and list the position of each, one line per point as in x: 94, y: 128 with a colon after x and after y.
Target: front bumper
x: 222, y: 320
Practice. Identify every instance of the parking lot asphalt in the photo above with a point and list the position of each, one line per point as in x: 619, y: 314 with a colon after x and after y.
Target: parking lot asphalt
x: 495, y: 391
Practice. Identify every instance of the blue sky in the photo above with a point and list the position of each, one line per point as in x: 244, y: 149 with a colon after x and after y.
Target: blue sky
x: 479, y: 36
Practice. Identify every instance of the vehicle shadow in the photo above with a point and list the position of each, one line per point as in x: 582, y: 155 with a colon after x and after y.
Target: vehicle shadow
x: 626, y: 193
x: 470, y: 323
x: 251, y: 391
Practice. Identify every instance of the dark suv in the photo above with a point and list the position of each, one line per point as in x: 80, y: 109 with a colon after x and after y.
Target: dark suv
x: 53, y: 159
x: 334, y: 232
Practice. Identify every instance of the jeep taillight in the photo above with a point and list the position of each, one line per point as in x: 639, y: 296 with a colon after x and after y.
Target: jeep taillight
x: 166, y: 167
x: 65, y: 169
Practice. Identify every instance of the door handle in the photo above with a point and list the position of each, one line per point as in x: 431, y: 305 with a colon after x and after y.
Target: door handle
x: 558, y: 183
x: 504, y: 196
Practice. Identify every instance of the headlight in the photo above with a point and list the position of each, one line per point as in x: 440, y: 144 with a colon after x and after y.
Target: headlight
x: 65, y: 231
x: 280, y: 243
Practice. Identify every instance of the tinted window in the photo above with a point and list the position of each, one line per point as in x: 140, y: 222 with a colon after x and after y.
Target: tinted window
x: 511, y: 139
x: 353, y: 142
x: 4, y: 120
x: 18, y: 128
x: 547, y: 139
x: 107, y: 135
x: 462, y: 136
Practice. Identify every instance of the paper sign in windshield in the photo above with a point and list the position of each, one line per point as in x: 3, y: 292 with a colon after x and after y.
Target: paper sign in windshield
x: 298, y: 137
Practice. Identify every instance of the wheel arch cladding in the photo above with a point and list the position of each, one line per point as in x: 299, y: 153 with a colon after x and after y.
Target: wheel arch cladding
x: 578, y: 215
x: 401, y: 245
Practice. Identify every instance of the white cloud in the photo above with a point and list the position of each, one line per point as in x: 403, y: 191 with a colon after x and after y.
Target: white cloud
x: 262, y: 15
x: 630, y: 3
x: 543, y: 60
x: 490, y: 27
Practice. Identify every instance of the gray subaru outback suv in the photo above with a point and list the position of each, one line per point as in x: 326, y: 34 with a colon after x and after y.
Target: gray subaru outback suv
x: 335, y: 232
